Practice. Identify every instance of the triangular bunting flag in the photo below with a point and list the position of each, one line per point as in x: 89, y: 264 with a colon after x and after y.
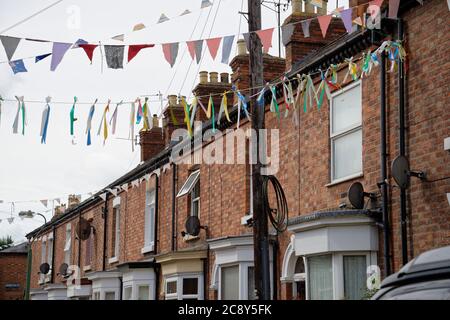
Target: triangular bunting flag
x: 113, y: 191
x: 266, y: 38
x: 205, y: 4
x: 135, y: 183
x: 133, y: 50
x: 114, y: 56
x: 346, y: 16
x: 358, y: 21
x: 10, y: 220
x: 119, y: 37
x: 41, y: 57
x: 124, y: 187
x: 393, y: 8
x: 163, y: 18
x: 305, y: 28
x: 10, y: 44
x: 226, y: 48
x: 185, y: 12
x: 324, y: 22
x: 286, y: 33
x: 44, y: 202
x: 78, y: 42
x: 89, y: 49
x: 191, y: 48
x: 213, y: 46
x: 198, y: 50
x: 170, y: 52
x: 17, y: 66
x: 138, y: 27
x: 58, y: 52
x: 103, y: 196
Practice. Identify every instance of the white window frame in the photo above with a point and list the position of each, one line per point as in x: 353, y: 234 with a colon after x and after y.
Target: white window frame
x: 189, y: 184
x: 49, y: 256
x: 150, y: 218
x: 243, y: 278
x: 337, y: 266
x: 347, y: 131
x: 179, y: 279
x: 68, y: 244
x: 196, y: 199
x: 116, y: 216
x: 43, y: 258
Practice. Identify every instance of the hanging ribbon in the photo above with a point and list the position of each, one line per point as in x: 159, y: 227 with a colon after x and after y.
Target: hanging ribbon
x: 145, y: 114
x: 72, y: 116
x: 139, y: 111
x: 45, y: 118
x: 273, y: 103
x: 113, y: 119
x: 202, y: 106
x: 1, y: 99
x: 187, y: 119
x: 242, y: 103
x: 260, y: 98
x: 334, y: 76
x: 89, y: 122
x: 300, y: 89
x: 288, y: 95
x: 20, y: 107
x: 193, y: 110
x: 223, y: 108
x: 172, y: 116
x: 310, y: 93
x: 131, y: 131
x: 104, y: 124
x: 352, y: 70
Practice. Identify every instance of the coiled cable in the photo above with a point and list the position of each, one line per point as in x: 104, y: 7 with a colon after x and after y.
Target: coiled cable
x: 278, y: 216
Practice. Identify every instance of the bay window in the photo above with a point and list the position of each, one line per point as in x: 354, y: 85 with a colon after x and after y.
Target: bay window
x: 184, y: 287
x: 320, y: 278
x: 346, y: 133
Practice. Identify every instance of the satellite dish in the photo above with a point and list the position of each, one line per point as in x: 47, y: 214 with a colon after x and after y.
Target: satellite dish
x: 44, y: 268
x: 63, y: 269
x: 356, y: 195
x: 83, y: 229
x: 402, y: 173
x: 193, y: 225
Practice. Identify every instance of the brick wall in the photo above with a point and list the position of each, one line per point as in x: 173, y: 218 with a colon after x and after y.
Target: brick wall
x: 13, y: 271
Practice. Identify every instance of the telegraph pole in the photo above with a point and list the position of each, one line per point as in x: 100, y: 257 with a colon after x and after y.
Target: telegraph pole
x: 260, y: 226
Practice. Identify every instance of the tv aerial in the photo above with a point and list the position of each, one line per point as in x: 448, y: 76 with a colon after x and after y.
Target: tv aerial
x: 402, y: 173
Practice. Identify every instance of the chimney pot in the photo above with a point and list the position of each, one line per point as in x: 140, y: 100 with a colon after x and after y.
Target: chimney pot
x: 242, y: 47
x: 224, y: 77
x: 203, y: 77
x: 172, y: 100
x: 155, y: 121
x: 214, y: 77
x: 296, y: 6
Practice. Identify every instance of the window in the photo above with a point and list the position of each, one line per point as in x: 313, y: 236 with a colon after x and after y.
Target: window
x: 127, y: 293
x: 251, y: 295
x: 43, y: 257
x: 189, y: 184
x: 68, y: 245
x: 299, y: 287
x: 110, y: 295
x: 89, y: 248
x: 96, y: 295
x: 195, y: 200
x: 184, y: 287
x: 150, y: 208
x: 230, y: 283
x: 354, y: 277
x: 320, y: 278
x: 144, y: 293
x: 115, y: 241
x: 346, y: 133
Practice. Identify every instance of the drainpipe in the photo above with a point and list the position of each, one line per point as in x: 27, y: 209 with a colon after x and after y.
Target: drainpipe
x: 275, y: 268
x: 401, y: 115
x: 174, y: 179
x: 383, y: 158
x: 53, y: 255
x: 105, y: 217
x: 29, y: 260
x: 79, y: 241
x: 155, y: 232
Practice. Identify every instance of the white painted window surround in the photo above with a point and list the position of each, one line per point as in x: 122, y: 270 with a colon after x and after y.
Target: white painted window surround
x: 105, y: 285
x: 149, y: 228
x: 342, y: 244
x: 116, y: 216
x: 176, y: 286
x: 346, y: 133
x: 136, y: 281
x: 231, y: 254
x: 68, y: 244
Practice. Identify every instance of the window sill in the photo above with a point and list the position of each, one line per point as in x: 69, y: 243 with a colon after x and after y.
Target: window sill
x: 345, y: 179
x: 87, y: 268
x: 113, y: 260
x: 148, y: 248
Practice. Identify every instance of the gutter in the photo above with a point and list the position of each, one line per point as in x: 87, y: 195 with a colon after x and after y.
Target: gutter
x: 105, y: 218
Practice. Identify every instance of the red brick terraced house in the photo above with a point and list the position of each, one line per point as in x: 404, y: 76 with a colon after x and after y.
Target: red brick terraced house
x: 138, y: 246
x: 13, y: 266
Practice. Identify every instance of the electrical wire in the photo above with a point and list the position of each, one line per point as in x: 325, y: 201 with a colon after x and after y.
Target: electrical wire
x: 278, y: 216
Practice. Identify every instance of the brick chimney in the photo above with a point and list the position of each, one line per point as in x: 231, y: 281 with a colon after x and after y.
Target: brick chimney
x: 59, y: 209
x: 299, y: 46
x: 151, y: 140
x: 214, y: 87
x: 178, y: 113
x: 273, y: 67
x: 73, y: 201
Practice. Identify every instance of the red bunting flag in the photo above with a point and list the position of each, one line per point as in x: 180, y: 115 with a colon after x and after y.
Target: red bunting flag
x: 266, y: 38
x: 191, y: 48
x: 324, y: 22
x: 89, y: 49
x: 133, y: 50
x: 213, y: 46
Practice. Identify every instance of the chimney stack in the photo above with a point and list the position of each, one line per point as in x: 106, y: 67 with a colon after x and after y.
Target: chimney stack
x: 151, y: 141
x: 176, y: 110
x: 73, y: 201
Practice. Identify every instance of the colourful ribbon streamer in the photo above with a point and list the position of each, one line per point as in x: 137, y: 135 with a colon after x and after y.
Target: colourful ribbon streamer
x: 274, y: 107
x: 89, y: 122
x: 260, y: 98
x: 113, y: 119
x: 193, y: 110
x: 20, y: 107
x: 352, y: 70
x: 72, y: 116
x: 131, y: 132
x: 242, y: 103
x: 223, y: 108
x: 288, y: 95
x: 145, y: 114
x: 139, y: 111
x: 187, y: 119
x: 104, y: 123
x: 45, y: 119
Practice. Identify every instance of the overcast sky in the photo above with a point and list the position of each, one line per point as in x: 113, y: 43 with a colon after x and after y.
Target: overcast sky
x: 31, y: 171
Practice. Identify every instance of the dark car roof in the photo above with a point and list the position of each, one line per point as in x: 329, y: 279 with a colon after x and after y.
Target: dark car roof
x: 430, y: 264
